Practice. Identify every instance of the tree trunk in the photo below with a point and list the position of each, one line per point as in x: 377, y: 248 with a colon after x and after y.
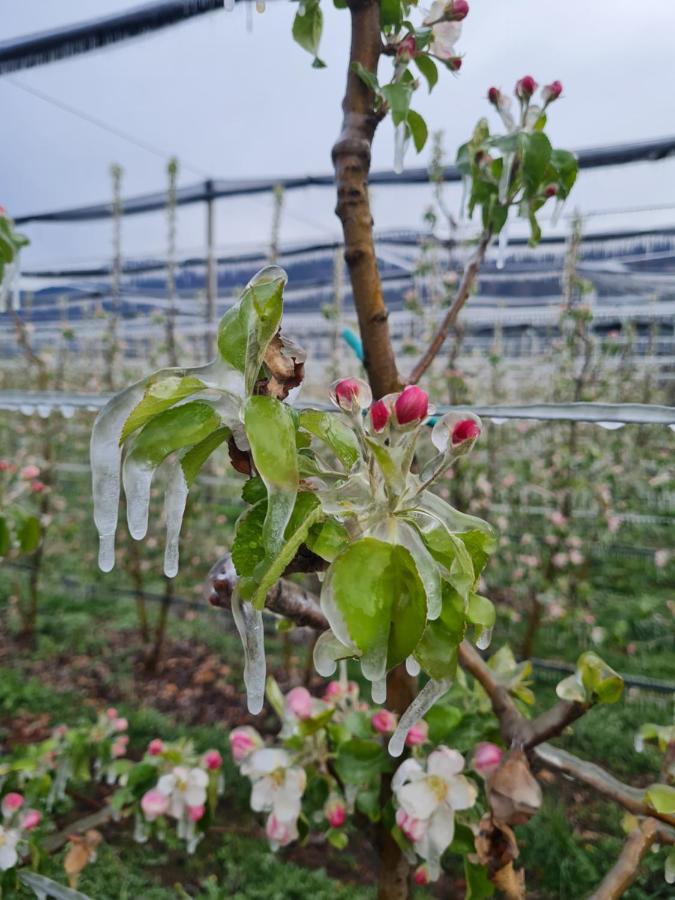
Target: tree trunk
x: 351, y: 159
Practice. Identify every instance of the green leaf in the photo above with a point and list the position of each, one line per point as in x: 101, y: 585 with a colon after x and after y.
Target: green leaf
x: 160, y: 395
x: 246, y: 329
x: 428, y: 69
x: 567, y: 167
x: 478, y: 884
x: 327, y: 539
x: 5, y: 539
x: 480, y: 611
x: 172, y: 430
x: 332, y: 431
x: 359, y: 761
x: 28, y: 533
x: 436, y: 652
x: 374, y: 598
x: 600, y: 681
x: 662, y: 798
x: 367, y: 77
x: 442, y: 721
x: 275, y: 697
x: 271, y: 434
x: 398, y: 97
x: 418, y: 129
x: 247, y: 546
x: 391, y: 14
x: 315, y: 723
x: 192, y: 461
x: 308, y: 26
x: 253, y: 490
x: 537, y: 152
x: 338, y: 839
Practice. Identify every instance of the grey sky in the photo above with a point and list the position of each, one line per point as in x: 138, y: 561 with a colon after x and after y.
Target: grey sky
x: 235, y: 102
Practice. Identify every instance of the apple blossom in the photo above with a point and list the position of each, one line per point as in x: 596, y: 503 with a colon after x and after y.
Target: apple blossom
x: 525, y: 87
x: 411, y: 405
x: 156, y: 747
x: 350, y: 393
x: 486, y: 758
x: 407, y: 48
x: 243, y: 741
x: 37, y: 487
x: 280, y: 833
x: 30, y: 472
x: 421, y: 876
x: 277, y: 785
x: 413, y: 829
x: 11, y: 803
x: 212, y: 760
x: 335, y: 812
x: 195, y: 813
x: 433, y: 796
x: 550, y: 190
x: 418, y: 734
x: 444, y: 34
x: 299, y: 702
x: 379, y: 415
x: 120, y: 724
x: 465, y: 430
x: 551, y: 92
x: 384, y: 722
x: 30, y: 819
x: 184, y: 787
x: 119, y: 745
x: 154, y: 803
x: 494, y: 96
x: 9, y: 838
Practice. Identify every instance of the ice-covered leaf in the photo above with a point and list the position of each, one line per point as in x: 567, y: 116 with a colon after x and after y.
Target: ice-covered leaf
x: 46, y: 887
x: 327, y: 539
x: 247, y: 547
x: 601, y: 682
x: 436, y: 652
x: 332, y: 430
x: 374, y: 599
x: 662, y: 798
x: 480, y: 611
x: 192, y: 461
x: 253, y: 490
x: 307, y: 29
x: 271, y: 433
x: 247, y: 328
x: 395, y: 530
x: 535, y: 159
x: 359, y: 761
x: 571, y: 690
x: 161, y: 393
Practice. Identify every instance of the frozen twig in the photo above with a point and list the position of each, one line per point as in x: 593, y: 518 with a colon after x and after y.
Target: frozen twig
x: 624, y: 871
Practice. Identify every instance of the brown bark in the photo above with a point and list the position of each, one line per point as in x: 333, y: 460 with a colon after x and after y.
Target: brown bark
x: 624, y: 872
x: 351, y: 160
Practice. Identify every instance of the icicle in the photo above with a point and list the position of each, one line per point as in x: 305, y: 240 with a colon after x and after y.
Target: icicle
x: 43, y: 410
x: 327, y: 651
x: 249, y: 624
x: 399, y: 147
x: 484, y: 639
x: 374, y: 661
x: 137, y: 479
x: 140, y: 831
x: 557, y: 211
x: 174, y: 509
x: 498, y: 420
x: 229, y: 5
x: 378, y: 691
x: 431, y: 692
x: 503, y: 244
x: 505, y: 180
x: 67, y: 411
x: 412, y: 667
x: 26, y: 409
x: 466, y: 191
x: 610, y: 426
x: 639, y: 743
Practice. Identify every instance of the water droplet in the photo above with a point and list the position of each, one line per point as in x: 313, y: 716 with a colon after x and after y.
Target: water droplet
x: 639, y: 743
x: 378, y: 691
x: 430, y: 693
x: 412, y: 666
x: 484, y: 639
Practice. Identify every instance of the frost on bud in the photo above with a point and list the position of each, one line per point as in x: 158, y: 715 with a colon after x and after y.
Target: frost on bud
x: 486, y: 758
x: 384, y: 722
x: 10, y: 803
x: 551, y: 92
x: 300, y: 703
x: 411, y: 405
x: 418, y: 734
x: 494, y: 96
x: 457, y: 10
x: 465, y: 430
x: 30, y: 820
x: 550, y: 190
x: 243, y: 741
x: 350, y: 394
x: 212, y: 760
x: 454, y: 63
x: 421, y: 876
x: 154, y: 804
x: 407, y: 49
x: 456, y: 430
x: 525, y: 87
x: 335, y: 812
x: 379, y: 415
x: 156, y: 747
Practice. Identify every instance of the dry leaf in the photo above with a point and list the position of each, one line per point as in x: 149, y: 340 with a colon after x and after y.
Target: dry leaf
x: 513, y: 792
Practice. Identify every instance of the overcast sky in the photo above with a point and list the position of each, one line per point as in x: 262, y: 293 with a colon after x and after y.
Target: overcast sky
x: 231, y: 100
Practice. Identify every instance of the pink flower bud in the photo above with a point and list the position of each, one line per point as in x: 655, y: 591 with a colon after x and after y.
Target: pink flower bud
x: 384, y: 721
x: 120, y: 724
x: 213, y: 760
x: 465, y: 430
x: 281, y: 833
x: 30, y: 472
x: 486, y: 758
x: 37, y: 487
x: 459, y: 9
x: 195, y: 813
x: 414, y: 829
x: 421, y: 876
x: 5, y: 466
x: 119, y: 746
x: 407, y: 48
x: 299, y: 702
x: 11, y: 802
x: 351, y: 392
x: 551, y: 92
x: 494, y: 96
x: 418, y: 734
x: 551, y: 190
x: 154, y: 804
x: 525, y: 87
x: 411, y: 405
x: 244, y: 741
x: 454, y: 63
x: 156, y: 747
x: 111, y: 712
x: 379, y: 415
x: 30, y: 820
x: 335, y: 812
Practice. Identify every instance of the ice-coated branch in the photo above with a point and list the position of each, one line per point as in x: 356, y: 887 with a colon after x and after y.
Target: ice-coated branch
x: 463, y: 292
x: 597, y: 778
x: 624, y: 871
x: 515, y: 728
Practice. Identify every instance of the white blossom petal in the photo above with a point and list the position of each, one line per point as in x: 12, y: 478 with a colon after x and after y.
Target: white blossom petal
x: 441, y: 829
x: 262, y: 795
x: 446, y: 763
x: 409, y: 770
x: 166, y: 784
x: 462, y: 793
x: 418, y: 798
x: 262, y: 762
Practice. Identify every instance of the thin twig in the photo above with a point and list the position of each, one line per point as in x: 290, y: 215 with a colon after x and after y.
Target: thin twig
x: 463, y: 291
x: 624, y: 871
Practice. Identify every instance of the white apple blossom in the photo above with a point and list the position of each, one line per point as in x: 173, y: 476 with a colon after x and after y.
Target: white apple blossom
x: 9, y: 838
x: 444, y: 34
x: 278, y: 786
x: 432, y: 797
x: 185, y: 788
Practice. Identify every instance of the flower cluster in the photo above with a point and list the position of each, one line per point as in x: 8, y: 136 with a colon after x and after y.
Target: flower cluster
x: 530, y: 113
x: 17, y: 823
